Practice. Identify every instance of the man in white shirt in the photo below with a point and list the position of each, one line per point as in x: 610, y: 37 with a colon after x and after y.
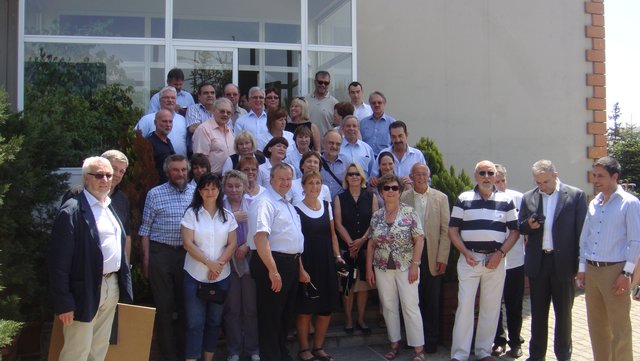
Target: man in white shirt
x: 362, y: 109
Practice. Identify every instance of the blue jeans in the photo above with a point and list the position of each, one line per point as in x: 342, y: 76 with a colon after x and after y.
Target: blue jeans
x: 203, y: 319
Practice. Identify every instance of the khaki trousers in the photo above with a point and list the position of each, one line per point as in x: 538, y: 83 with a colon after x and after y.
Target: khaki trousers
x: 90, y: 340
x: 608, y: 315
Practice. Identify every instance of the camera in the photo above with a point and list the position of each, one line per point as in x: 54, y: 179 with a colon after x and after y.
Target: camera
x: 538, y: 218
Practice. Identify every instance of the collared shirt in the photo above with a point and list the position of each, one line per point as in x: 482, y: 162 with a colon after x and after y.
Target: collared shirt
x: 264, y: 173
x: 515, y: 256
x: 197, y: 114
x: 164, y: 208
x: 256, y: 125
x: 210, y: 235
x: 484, y: 224
x: 402, y: 167
x: 375, y: 132
x: 184, y: 98
x: 109, y: 232
x: 338, y: 167
x: 549, y: 202
x: 214, y: 141
x: 360, y: 153
x: 240, y: 111
x: 362, y: 111
x: 321, y: 111
x: 266, y: 137
x: 178, y: 134
x: 279, y: 219
x: 611, y: 231
x: 420, y: 205
x: 293, y: 158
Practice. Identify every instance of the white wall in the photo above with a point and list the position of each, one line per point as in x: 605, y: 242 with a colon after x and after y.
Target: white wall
x: 486, y: 79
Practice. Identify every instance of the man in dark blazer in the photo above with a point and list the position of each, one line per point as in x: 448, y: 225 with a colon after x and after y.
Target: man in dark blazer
x: 88, y: 269
x: 551, y: 216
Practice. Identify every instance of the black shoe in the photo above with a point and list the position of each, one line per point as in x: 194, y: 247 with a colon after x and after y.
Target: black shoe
x: 365, y: 329
x: 535, y: 359
x: 515, y: 352
x: 430, y: 349
x: 348, y: 330
x: 497, y: 350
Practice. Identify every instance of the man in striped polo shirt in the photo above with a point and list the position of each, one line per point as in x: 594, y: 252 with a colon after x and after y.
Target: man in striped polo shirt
x: 483, y: 227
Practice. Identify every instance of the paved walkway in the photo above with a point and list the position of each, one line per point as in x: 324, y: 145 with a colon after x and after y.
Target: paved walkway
x: 581, y: 342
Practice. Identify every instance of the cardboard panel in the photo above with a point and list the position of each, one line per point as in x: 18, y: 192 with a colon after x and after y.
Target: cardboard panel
x: 135, y: 329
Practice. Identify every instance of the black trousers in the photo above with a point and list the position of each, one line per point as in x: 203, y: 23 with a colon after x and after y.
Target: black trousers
x: 546, y: 288
x: 513, y: 295
x: 166, y: 275
x: 275, y: 309
x: 429, y: 293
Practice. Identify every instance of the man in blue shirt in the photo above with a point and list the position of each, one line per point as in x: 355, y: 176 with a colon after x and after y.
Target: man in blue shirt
x: 175, y: 78
x: 375, y: 128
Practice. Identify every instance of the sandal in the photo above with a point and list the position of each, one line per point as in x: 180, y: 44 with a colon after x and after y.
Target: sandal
x: 312, y: 358
x: 393, y: 352
x: 325, y: 357
x: 419, y: 356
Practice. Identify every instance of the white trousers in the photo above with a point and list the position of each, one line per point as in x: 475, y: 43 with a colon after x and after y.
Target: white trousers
x: 90, y: 340
x: 491, y: 283
x: 395, y: 291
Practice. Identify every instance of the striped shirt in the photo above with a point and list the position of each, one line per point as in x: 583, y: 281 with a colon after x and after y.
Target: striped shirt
x: 163, y: 210
x: 611, y: 231
x: 484, y: 224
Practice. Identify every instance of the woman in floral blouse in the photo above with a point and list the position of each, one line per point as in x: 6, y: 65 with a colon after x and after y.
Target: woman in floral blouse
x: 393, y: 260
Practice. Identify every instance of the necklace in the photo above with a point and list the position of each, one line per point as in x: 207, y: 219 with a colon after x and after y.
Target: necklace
x: 315, y: 207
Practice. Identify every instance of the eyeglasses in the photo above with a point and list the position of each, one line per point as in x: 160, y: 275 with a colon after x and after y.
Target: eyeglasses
x: 322, y: 82
x: 272, y: 97
x: 353, y: 174
x: 101, y: 175
x: 391, y: 188
x: 483, y: 173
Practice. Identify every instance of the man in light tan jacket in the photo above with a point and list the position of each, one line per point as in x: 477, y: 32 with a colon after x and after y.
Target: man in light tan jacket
x: 432, y: 208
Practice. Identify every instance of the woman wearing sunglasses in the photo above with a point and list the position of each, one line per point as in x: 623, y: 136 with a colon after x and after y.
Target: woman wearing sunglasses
x: 393, y: 260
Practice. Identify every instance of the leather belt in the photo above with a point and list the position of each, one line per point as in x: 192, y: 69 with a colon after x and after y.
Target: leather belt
x: 484, y: 251
x: 602, y: 264
x: 548, y: 251
x: 285, y: 255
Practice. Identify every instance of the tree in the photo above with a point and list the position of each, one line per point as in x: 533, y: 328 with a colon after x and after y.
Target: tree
x: 626, y: 149
x: 614, y: 131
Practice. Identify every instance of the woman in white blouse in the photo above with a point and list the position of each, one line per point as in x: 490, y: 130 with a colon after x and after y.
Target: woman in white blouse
x: 208, y: 234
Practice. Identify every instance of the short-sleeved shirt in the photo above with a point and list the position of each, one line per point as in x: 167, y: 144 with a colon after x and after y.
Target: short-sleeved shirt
x: 256, y: 125
x: 210, y: 235
x: 396, y: 239
x: 164, y: 208
x: 214, y: 141
x: 484, y: 225
x: 278, y: 218
x: 321, y: 111
x: 359, y: 153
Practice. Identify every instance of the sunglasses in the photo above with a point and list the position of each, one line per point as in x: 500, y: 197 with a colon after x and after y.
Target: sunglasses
x: 353, y: 174
x: 322, y: 82
x: 101, y: 175
x: 483, y: 173
x: 391, y: 188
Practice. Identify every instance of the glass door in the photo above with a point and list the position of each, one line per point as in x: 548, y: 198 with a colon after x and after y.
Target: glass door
x: 215, y: 65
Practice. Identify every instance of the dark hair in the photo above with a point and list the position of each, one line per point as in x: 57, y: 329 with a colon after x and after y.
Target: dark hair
x: 302, y: 130
x: 196, y: 203
x: 272, y: 142
x: 384, y: 180
x: 309, y: 154
x: 354, y: 84
x: 175, y: 74
x: 272, y: 89
x: 398, y: 124
x: 204, y: 84
x: 610, y: 164
x: 200, y: 160
x: 382, y: 155
x: 174, y: 158
x: 274, y: 114
x: 344, y: 108
x: 322, y: 73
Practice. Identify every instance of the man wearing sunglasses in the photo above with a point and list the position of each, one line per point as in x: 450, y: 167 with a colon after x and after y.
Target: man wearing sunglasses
x: 321, y: 103
x: 551, y: 216
x: 88, y: 269
x: 483, y: 227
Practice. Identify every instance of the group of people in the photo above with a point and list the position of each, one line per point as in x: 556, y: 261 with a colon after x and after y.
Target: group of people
x: 279, y: 214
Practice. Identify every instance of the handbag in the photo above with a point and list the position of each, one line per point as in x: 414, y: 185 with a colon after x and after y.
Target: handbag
x: 211, y: 292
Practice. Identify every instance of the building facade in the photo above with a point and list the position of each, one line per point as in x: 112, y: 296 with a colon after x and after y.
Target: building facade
x: 508, y: 81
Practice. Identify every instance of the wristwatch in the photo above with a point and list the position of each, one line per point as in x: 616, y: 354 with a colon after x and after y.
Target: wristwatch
x: 627, y: 274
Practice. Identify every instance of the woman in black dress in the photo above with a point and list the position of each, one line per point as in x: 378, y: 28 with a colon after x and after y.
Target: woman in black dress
x: 352, y: 212
x: 320, y: 255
